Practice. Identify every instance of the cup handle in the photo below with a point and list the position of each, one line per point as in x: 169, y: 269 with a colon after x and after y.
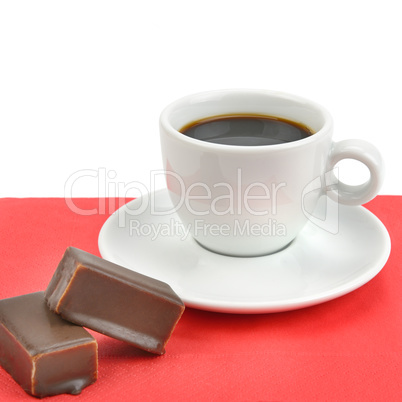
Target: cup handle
x: 369, y: 155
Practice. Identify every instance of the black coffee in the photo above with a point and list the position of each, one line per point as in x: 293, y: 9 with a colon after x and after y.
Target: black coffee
x: 249, y: 130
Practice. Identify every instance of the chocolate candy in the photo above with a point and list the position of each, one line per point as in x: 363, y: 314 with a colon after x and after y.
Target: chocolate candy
x: 45, y: 354
x: 114, y: 301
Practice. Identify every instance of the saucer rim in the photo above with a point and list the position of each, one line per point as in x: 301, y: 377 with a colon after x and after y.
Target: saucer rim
x: 271, y: 306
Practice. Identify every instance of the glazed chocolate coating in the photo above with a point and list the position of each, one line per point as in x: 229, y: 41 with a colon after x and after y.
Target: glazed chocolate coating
x: 45, y: 354
x: 114, y: 301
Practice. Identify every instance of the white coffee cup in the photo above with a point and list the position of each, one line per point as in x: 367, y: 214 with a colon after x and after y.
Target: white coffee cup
x: 252, y: 200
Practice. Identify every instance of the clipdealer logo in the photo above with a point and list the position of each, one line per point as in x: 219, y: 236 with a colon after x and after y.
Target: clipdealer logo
x: 105, y: 184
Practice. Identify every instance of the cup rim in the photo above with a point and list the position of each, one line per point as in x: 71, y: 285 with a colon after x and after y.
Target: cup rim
x: 190, y: 99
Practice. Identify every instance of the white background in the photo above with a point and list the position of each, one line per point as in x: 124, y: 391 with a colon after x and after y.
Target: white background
x: 82, y: 83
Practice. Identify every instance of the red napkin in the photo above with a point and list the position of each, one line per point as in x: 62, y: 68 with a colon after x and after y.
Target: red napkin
x: 348, y: 349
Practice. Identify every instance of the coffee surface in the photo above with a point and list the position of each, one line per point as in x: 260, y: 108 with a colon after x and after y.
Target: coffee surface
x: 246, y: 130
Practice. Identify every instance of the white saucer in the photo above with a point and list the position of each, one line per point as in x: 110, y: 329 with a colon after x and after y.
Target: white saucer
x: 318, y: 266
